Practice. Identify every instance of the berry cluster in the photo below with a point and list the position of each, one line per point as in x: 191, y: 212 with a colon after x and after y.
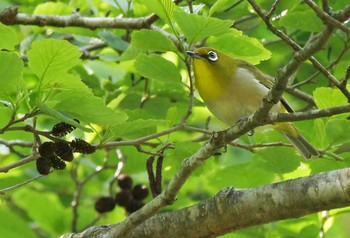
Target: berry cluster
x: 129, y: 197
x: 55, y: 154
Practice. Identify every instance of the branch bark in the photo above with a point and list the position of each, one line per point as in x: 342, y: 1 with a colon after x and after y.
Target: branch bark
x: 10, y: 16
x: 233, y: 209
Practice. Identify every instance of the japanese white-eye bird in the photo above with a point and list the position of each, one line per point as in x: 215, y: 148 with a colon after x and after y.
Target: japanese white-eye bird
x: 233, y: 89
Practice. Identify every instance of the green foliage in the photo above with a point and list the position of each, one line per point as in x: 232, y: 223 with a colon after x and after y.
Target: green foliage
x: 8, y: 37
x: 196, y: 27
x: 241, y: 46
x: 157, y: 68
x: 135, y: 85
x: 148, y: 40
x: 10, y: 79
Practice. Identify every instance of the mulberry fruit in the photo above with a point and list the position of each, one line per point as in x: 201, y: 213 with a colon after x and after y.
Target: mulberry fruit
x: 43, y: 165
x: 104, y: 204
x: 123, y: 198
x: 62, y: 129
x: 57, y: 163
x: 64, y: 151
x: 47, y: 149
x: 82, y: 146
x: 139, y: 192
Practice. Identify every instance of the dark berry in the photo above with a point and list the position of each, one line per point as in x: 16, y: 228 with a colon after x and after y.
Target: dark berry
x: 47, y: 149
x: 62, y: 129
x: 82, y: 146
x: 64, y: 151
x: 139, y: 192
x: 124, y: 181
x: 43, y: 165
x: 104, y: 204
x: 57, y: 163
x: 133, y: 206
x: 123, y: 198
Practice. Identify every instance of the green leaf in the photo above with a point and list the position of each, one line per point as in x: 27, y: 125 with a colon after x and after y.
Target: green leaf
x: 11, y: 69
x: 116, y: 42
x: 50, y: 57
x: 66, y: 82
x: 237, y: 45
x: 328, y: 97
x: 157, y: 68
x: 135, y: 129
x: 305, y: 20
x: 61, y: 117
x: 53, y: 8
x: 34, y: 203
x: 89, y: 109
x: 278, y: 160
x: 338, y: 130
x: 164, y: 9
x: 182, y: 150
x: 241, y: 176
x: 10, y: 225
x: 197, y: 27
x: 8, y: 38
x: 149, y: 40
x: 219, y: 6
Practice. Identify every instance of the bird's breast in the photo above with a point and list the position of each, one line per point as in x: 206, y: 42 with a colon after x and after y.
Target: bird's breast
x: 234, y: 99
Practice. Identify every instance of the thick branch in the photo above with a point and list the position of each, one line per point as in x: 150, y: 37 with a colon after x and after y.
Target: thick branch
x: 233, y: 209
x: 10, y: 16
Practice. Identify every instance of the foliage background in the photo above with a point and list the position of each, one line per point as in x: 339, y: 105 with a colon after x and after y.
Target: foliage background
x: 132, y: 83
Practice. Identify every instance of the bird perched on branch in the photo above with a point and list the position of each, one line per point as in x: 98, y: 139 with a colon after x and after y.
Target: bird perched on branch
x: 233, y: 89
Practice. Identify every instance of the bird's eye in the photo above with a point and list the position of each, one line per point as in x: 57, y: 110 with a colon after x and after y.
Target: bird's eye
x: 212, y: 56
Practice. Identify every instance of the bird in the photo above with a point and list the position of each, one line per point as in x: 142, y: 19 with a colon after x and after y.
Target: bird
x: 233, y: 89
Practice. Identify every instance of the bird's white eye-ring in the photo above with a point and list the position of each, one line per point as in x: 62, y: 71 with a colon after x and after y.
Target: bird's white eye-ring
x: 212, y: 56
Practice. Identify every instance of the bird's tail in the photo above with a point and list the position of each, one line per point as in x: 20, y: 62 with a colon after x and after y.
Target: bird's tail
x: 299, y: 142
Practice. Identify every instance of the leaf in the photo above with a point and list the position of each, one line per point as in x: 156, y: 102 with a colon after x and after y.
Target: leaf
x: 197, y: 27
x: 277, y: 160
x: 66, y: 82
x: 149, y: 40
x: 11, y: 69
x: 50, y: 57
x: 116, y: 42
x: 328, y: 97
x: 164, y: 9
x: 157, y: 68
x: 58, y: 115
x: 219, y: 6
x: 90, y: 109
x: 237, y: 45
x: 8, y: 38
x: 53, y: 8
x: 9, y: 226
x: 337, y: 131
x: 34, y: 203
x: 305, y: 20
x: 135, y: 129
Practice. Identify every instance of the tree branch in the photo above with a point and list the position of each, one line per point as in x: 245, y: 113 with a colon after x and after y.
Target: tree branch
x: 326, y: 17
x: 10, y: 16
x: 233, y: 209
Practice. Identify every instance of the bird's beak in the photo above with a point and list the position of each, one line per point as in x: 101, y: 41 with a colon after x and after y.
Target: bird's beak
x: 193, y: 54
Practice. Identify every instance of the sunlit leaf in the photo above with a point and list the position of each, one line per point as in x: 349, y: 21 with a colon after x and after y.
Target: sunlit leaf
x: 11, y: 69
x: 48, y: 58
x: 196, y: 27
x: 163, y: 8
x: 8, y: 37
x: 328, y: 97
x: 157, y: 68
x: 240, y: 46
x: 149, y: 40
